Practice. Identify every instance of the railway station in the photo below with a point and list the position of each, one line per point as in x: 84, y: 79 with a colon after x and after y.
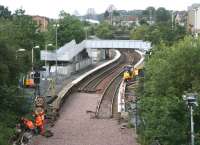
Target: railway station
x: 126, y: 74
x: 73, y: 57
x: 102, y: 87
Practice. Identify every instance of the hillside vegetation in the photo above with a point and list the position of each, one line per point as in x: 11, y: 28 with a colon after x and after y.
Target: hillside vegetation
x: 170, y: 71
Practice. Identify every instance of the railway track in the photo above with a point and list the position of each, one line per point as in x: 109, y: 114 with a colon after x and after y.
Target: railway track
x: 107, y: 107
x: 107, y: 82
x: 94, y: 81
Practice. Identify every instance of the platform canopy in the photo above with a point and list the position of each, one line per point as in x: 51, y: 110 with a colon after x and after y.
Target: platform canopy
x: 71, y: 49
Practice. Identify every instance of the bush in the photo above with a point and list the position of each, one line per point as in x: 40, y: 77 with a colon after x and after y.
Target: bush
x: 168, y: 73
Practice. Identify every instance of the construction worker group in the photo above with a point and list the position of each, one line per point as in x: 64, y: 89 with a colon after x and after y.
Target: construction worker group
x: 36, y: 126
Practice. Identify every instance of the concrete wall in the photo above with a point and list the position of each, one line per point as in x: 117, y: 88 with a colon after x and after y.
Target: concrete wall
x: 83, y: 64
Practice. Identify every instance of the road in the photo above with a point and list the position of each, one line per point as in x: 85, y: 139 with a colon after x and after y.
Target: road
x: 77, y: 127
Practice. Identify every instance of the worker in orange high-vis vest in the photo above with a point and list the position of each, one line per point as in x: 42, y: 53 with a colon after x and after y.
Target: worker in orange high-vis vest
x: 28, y: 123
x: 39, y: 123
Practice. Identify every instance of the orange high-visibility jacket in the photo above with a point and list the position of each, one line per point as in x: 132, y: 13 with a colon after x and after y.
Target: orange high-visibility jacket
x: 29, y: 124
x: 38, y: 121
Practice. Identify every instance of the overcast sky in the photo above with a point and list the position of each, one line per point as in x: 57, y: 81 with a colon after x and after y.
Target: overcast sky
x: 51, y: 8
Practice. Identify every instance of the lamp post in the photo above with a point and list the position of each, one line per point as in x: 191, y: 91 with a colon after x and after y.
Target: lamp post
x: 35, y: 47
x: 56, y: 26
x: 46, y: 45
x: 191, y: 101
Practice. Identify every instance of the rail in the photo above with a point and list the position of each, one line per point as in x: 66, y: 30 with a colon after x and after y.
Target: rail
x: 104, y: 94
x: 69, y: 88
x: 121, y: 93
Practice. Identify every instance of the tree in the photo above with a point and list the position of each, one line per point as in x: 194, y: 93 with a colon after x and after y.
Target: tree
x: 106, y: 14
x: 168, y: 73
x: 158, y: 32
x: 18, y: 31
x: 25, y: 30
x: 4, y: 12
x: 104, y: 31
x: 19, y: 12
x: 143, y: 22
x: 149, y: 13
x: 139, y: 33
x: 162, y: 15
x: 69, y: 28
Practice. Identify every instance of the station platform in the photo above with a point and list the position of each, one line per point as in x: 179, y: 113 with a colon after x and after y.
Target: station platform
x: 63, y: 81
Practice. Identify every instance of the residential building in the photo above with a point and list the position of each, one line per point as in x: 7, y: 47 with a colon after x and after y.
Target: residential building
x: 42, y: 22
x: 127, y: 21
x: 193, y: 20
x: 180, y: 18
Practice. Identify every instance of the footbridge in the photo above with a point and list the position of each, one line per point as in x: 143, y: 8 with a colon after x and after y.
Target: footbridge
x: 71, y: 49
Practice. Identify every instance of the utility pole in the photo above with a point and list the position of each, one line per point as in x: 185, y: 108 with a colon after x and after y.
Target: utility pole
x: 172, y: 20
x: 192, y: 125
x: 35, y: 47
x: 150, y: 17
x: 191, y: 101
x: 56, y: 26
x: 111, y: 19
x: 46, y: 45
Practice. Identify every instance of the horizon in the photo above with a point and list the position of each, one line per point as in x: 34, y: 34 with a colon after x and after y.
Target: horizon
x: 53, y: 8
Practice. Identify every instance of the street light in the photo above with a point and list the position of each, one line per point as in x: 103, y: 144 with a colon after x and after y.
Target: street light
x: 46, y: 45
x: 35, y: 47
x: 56, y: 26
x: 20, y: 50
x: 191, y: 100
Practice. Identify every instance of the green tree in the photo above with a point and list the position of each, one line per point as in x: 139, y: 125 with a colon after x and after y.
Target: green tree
x: 69, y: 28
x: 25, y: 30
x: 162, y: 15
x: 16, y: 32
x: 106, y: 14
x: 159, y: 32
x: 4, y: 12
x: 168, y: 73
x: 140, y: 33
x: 104, y: 31
x: 149, y: 13
x: 143, y: 22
